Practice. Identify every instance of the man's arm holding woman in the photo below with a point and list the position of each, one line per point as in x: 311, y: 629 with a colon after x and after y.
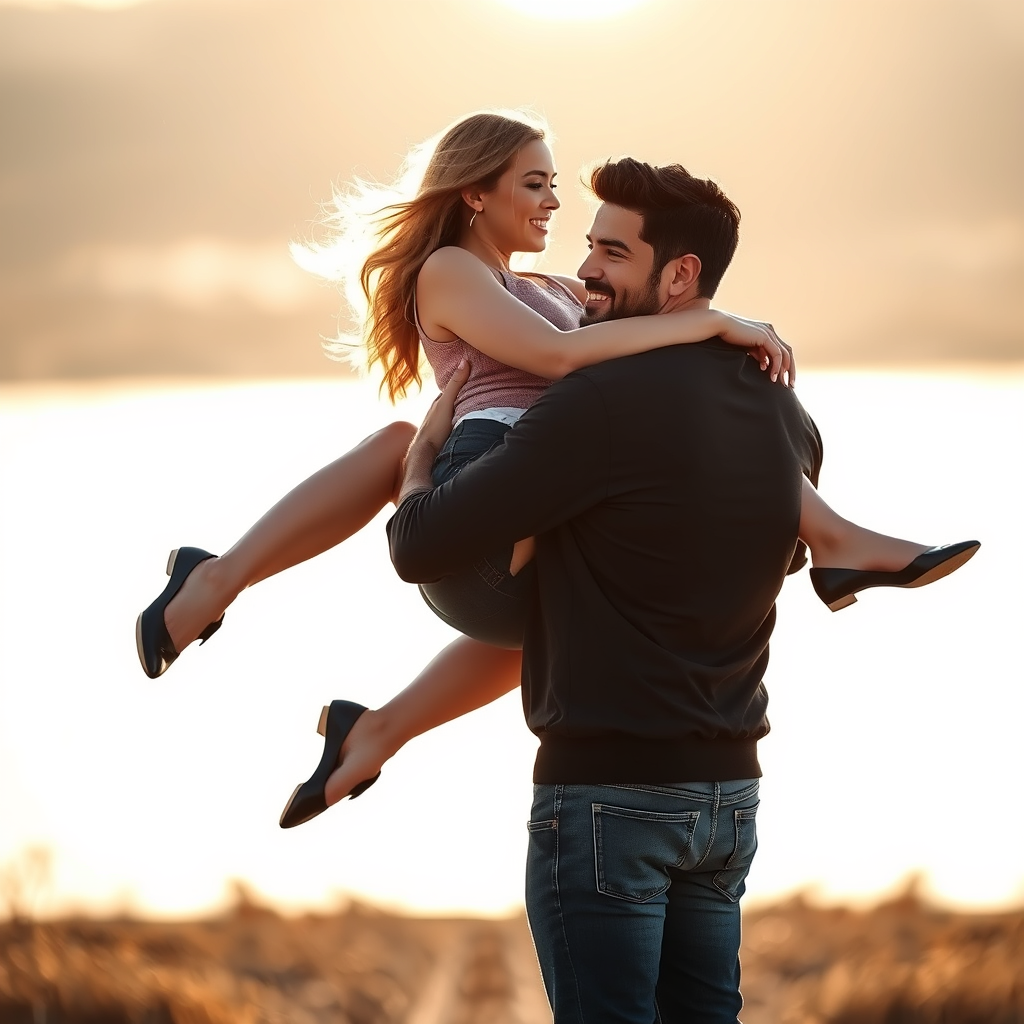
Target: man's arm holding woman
x: 550, y: 468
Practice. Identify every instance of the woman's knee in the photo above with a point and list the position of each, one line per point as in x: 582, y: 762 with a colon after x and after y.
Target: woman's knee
x: 394, y: 439
x: 399, y: 434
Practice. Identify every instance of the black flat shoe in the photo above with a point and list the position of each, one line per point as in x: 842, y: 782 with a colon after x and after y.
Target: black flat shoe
x: 309, y: 799
x: 156, y: 651
x: 836, y: 587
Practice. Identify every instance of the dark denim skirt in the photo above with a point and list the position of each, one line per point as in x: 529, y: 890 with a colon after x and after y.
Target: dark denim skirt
x: 485, y: 602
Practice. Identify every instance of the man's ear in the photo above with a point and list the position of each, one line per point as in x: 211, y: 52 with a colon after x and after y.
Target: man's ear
x: 682, y: 274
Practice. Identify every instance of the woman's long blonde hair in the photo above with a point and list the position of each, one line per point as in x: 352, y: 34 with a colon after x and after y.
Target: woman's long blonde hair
x: 402, y: 232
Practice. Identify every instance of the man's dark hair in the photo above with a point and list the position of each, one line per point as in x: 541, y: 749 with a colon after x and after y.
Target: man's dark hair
x: 681, y: 214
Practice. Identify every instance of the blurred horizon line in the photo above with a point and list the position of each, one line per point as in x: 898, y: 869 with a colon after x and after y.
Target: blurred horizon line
x: 26, y: 877
x: 340, y: 372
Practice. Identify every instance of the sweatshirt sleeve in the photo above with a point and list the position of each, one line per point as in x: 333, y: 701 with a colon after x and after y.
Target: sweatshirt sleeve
x: 552, y: 466
x: 812, y: 453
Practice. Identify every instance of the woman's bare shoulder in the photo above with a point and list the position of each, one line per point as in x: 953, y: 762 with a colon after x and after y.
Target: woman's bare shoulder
x: 452, y: 261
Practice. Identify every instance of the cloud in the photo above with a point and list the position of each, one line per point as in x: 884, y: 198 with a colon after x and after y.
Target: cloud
x: 192, y: 272
x: 973, y: 249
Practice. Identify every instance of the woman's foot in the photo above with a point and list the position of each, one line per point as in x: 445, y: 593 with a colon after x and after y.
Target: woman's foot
x: 337, y: 721
x: 837, y: 587
x: 203, y: 598
x: 857, y: 548
x: 157, y: 650
x: 363, y: 754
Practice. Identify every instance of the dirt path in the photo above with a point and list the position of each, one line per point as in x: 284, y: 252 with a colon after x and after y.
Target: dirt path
x: 486, y: 973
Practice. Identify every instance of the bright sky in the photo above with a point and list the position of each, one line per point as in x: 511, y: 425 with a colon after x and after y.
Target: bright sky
x: 889, y: 719
x: 563, y: 9
x: 98, y: 4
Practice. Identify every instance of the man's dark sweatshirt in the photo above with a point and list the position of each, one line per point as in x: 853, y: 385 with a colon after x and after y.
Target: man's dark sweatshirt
x: 664, y: 493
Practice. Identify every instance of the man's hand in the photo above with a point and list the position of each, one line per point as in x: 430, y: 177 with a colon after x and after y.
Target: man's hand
x: 431, y: 436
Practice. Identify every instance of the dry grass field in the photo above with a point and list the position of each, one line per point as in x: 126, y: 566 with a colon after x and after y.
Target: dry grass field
x: 900, y: 963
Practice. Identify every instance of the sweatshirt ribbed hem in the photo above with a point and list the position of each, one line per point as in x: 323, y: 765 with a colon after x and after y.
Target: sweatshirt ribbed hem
x: 611, y: 759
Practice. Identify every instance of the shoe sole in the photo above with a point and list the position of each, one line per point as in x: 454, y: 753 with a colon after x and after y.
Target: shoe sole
x: 943, y: 569
x: 288, y: 805
x: 171, y: 559
x: 138, y: 643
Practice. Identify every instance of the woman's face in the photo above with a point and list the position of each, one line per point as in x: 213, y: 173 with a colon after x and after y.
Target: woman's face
x: 516, y: 214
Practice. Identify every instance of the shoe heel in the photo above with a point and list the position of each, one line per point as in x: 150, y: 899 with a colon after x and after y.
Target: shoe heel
x: 321, y: 726
x: 171, y: 559
x: 843, y: 602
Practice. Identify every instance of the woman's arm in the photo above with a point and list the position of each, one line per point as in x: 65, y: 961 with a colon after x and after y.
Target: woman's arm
x: 458, y: 292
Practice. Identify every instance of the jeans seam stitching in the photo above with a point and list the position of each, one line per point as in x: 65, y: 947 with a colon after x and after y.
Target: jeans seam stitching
x: 736, y: 849
x: 558, y: 901
x: 745, y: 794
x: 716, y: 799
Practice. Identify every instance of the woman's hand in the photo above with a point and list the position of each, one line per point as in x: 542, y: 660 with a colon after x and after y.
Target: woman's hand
x: 763, y: 344
x: 431, y: 436
x: 437, y: 424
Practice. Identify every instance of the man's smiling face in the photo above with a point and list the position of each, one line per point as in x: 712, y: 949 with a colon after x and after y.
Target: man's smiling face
x: 619, y: 272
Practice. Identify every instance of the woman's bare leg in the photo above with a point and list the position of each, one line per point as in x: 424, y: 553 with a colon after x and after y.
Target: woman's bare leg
x: 835, y: 542
x: 465, y: 676
x: 322, y: 511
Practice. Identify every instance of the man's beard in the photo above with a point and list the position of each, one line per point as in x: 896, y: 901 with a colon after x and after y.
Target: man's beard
x: 625, y: 304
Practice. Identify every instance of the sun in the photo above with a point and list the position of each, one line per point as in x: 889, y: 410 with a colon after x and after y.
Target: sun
x: 571, y: 10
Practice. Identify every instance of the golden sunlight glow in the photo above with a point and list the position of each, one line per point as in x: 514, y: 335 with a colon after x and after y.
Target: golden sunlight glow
x: 102, y: 5
x: 571, y: 10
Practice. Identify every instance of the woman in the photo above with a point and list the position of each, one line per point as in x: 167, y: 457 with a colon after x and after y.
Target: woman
x: 440, y: 278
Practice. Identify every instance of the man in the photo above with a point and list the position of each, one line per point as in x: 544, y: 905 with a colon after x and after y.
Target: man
x: 664, y: 493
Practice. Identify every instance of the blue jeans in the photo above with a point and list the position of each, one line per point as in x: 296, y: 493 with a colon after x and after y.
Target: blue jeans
x: 633, y: 891
x: 485, y: 602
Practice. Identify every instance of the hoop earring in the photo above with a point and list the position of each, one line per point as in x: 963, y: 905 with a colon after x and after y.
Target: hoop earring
x: 473, y: 218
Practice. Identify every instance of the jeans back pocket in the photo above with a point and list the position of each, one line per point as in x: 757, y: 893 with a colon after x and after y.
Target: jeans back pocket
x: 634, y: 849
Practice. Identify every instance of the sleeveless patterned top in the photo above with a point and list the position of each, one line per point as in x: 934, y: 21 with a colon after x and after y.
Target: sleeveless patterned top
x: 492, y: 384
